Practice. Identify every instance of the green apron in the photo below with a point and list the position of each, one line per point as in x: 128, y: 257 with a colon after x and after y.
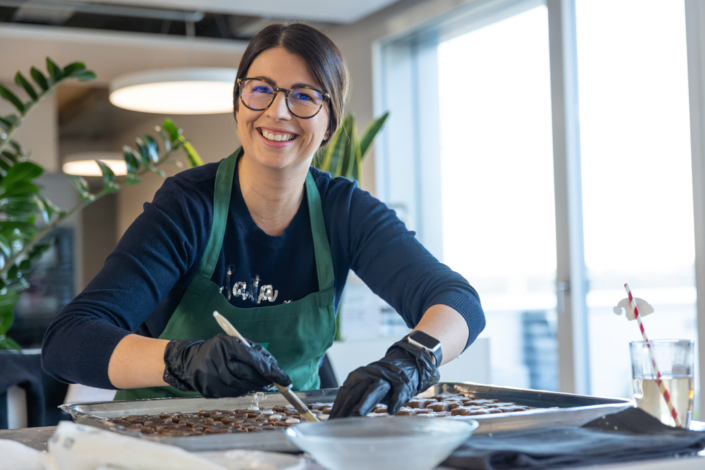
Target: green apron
x: 297, y: 333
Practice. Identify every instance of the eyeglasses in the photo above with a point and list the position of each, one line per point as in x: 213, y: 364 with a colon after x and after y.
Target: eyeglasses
x: 303, y: 101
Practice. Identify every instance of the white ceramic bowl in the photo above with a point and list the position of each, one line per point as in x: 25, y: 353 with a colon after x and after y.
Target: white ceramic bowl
x: 381, y: 443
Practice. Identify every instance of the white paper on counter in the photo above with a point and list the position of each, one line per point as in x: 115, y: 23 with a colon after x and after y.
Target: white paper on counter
x: 17, y: 456
x: 81, y: 447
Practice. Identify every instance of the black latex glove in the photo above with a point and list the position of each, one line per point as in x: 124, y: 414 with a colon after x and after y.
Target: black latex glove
x: 220, y: 367
x: 400, y: 375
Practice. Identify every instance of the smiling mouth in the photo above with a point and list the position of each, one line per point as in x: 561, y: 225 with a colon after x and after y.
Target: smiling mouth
x: 276, y: 136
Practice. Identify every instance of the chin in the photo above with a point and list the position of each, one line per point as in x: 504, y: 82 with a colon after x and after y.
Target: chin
x: 273, y: 159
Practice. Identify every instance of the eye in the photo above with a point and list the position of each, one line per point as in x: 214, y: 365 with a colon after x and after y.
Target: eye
x: 301, y: 96
x: 262, y: 89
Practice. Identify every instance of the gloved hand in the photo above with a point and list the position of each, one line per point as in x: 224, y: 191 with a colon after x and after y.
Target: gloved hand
x: 220, y: 367
x: 400, y: 375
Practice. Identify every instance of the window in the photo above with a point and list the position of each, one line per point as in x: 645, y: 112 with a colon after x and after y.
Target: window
x: 637, y: 180
x: 542, y: 148
x: 496, y: 160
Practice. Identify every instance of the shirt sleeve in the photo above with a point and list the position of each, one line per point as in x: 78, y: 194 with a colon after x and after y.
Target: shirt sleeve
x: 393, y: 263
x: 157, y: 250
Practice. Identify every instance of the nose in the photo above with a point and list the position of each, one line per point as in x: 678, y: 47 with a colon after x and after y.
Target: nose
x: 278, y: 110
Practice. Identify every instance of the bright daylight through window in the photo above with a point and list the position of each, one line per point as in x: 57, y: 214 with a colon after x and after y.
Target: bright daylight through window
x: 497, y: 188
x: 637, y: 182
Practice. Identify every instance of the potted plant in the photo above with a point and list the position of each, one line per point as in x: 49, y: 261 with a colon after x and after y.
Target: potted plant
x: 343, y: 156
x: 27, y: 216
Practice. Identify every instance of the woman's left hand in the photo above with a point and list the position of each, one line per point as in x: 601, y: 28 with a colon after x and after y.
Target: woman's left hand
x: 404, y: 372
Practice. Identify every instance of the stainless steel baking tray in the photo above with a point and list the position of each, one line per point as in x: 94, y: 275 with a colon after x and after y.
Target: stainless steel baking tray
x: 552, y: 409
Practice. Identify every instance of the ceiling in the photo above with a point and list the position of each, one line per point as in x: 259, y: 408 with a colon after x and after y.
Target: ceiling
x: 28, y: 35
x: 333, y: 11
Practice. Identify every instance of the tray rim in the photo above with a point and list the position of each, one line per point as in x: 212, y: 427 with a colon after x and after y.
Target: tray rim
x: 276, y: 440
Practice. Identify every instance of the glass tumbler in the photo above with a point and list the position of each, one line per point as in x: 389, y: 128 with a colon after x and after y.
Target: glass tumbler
x: 674, y: 359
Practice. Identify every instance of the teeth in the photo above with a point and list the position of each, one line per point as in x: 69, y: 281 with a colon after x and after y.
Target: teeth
x: 277, y: 137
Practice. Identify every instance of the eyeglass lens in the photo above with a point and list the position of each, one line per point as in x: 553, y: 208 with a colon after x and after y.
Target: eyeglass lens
x: 302, y: 102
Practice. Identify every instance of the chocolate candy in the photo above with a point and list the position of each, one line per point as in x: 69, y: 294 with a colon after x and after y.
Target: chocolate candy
x: 438, y: 406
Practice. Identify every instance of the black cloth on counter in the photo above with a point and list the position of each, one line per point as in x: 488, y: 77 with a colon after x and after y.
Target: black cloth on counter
x: 629, y: 435
x: 44, y: 393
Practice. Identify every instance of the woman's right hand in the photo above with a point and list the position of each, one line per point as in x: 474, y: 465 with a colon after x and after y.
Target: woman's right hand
x: 220, y: 367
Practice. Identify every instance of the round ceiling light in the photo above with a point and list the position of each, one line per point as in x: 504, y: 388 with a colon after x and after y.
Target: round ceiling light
x: 83, y: 164
x: 176, y: 91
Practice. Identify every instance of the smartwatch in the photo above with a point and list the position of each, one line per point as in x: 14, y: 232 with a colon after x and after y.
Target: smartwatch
x: 422, y: 340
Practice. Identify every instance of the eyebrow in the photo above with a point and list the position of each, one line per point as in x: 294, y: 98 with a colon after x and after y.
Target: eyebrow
x: 273, y: 82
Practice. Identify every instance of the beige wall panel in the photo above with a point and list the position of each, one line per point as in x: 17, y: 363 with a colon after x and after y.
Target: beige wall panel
x: 213, y: 136
x: 39, y: 132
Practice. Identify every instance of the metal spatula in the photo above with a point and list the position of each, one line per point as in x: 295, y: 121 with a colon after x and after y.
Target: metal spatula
x: 285, y: 391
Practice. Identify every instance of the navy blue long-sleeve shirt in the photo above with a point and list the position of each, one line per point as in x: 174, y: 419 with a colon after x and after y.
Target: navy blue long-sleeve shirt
x: 144, y: 279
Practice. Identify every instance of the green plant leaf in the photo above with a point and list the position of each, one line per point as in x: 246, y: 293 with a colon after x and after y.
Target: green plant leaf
x: 152, y: 148
x: 23, y: 171
x: 54, y: 70
x: 21, y: 226
x: 18, y: 148
x: 165, y: 140
x: 20, y: 189
x: 327, y: 153
x: 131, y: 159
x: 81, y: 186
x: 74, y: 68
x: 7, y: 311
x: 19, y: 207
x: 342, y: 146
x: 13, y: 274
x: 21, y: 81
x: 5, y: 246
x: 12, y: 98
x: 8, y: 343
x: 48, y: 209
x: 193, y: 158
x: 109, y: 183
x: 143, y: 152
x: 171, y: 129
x: 133, y: 178
x: 10, y: 157
x: 347, y: 160
x: 85, y: 76
x: 108, y: 174
x: 8, y: 121
x: 370, y: 133
x: 39, y: 249
x: 39, y: 78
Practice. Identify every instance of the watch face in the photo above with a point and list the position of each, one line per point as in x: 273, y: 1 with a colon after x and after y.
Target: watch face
x: 424, y: 339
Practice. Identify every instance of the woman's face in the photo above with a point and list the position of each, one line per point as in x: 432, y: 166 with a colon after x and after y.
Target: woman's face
x: 283, y: 70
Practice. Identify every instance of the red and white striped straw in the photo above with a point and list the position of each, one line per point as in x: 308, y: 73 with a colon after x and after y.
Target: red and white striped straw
x: 659, y: 382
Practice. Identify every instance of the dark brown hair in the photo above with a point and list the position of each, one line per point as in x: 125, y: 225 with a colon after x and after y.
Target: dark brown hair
x: 317, y: 50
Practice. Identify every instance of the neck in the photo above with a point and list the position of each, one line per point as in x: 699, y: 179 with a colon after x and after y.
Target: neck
x: 272, y: 196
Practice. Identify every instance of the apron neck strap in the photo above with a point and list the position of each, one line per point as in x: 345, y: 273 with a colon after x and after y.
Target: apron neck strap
x: 324, y: 261
x: 221, y: 203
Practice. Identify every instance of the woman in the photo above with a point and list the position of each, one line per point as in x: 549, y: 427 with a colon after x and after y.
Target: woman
x: 268, y: 241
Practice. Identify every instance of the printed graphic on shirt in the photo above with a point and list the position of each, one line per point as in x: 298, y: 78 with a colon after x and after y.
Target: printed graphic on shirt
x: 254, y: 292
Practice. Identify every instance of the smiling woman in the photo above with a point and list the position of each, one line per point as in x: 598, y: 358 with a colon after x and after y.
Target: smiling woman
x: 268, y: 241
